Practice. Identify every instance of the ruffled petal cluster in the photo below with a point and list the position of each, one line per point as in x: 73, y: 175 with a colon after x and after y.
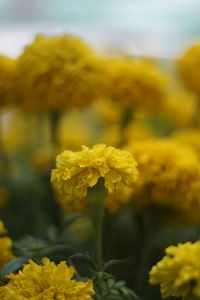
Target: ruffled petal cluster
x: 46, y: 282
x: 77, y: 171
x: 178, y: 273
x: 136, y: 83
x: 168, y: 172
x: 57, y: 72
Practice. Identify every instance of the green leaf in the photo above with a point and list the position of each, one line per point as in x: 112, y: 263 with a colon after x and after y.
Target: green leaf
x: 13, y: 265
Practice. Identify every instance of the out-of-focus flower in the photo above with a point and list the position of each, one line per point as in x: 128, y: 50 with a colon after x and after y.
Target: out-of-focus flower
x: 107, y: 110
x: 178, y: 273
x: 137, y: 130
x: 3, y: 230
x: 189, y: 68
x: 189, y: 137
x: 77, y: 171
x: 180, y: 108
x: 57, y: 72
x: 111, y: 135
x: 168, y: 172
x: 74, y: 131
x: 136, y: 83
x: 47, y: 282
x: 7, y: 74
x: 5, y: 247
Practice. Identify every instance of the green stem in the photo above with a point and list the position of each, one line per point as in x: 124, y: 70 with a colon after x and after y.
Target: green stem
x: 96, y: 198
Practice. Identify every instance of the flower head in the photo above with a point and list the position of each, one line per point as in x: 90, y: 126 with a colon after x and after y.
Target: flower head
x: 169, y: 172
x: 178, y: 272
x: 189, y: 68
x: 77, y: 171
x: 136, y: 83
x: 46, y: 282
x: 59, y: 72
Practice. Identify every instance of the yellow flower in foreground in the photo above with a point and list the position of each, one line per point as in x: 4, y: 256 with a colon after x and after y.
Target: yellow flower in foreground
x: 77, y: 171
x: 136, y: 83
x: 189, y: 68
x: 46, y: 282
x: 178, y: 272
x: 60, y: 71
x: 168, y: 172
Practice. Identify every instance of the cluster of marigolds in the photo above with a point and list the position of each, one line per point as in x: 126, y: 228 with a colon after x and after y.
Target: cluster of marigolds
x: 116, y: 118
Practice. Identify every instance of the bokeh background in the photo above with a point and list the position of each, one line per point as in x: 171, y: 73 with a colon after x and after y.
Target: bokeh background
x: 157, y: 28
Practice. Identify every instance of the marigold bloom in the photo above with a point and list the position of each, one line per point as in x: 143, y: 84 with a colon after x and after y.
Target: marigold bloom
x: 169, y: 173
x: 59, y: 72
x: 7, y: 73
x: 77, y: 171
x: 46, y: 282
x: 189, y: 68
x: 178, y: 272
x: 136, y: 83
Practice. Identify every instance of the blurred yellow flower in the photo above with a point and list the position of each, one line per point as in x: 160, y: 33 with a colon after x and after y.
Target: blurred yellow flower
x: 168, y: 172
x: 180, y: 108
x: 3, y: 230
x: 57, y: 72
x: 189, y: 68
x: 107, y: 110
x: 7, y: 74
x: 46, y: 282
x: 137, y: 130
x: 136, y: 83
x: 178, y: 273
x: 189, y: 137
x: 5, y: 246
x: 77, y: 171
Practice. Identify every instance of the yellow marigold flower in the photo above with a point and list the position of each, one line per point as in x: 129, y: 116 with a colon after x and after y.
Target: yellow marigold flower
x: 59, y: 72
x: 169, y: 173
x: 5, y: 250
x: 178, y: 272
x: 46, y: 282
x: 189, y: 68
x: 189, y: 137
x: 136, y: 83
x: 7, y: 73
x: 77, y: 171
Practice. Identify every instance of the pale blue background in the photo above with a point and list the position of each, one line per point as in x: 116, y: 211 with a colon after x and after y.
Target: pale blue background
x: 160, y: 28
